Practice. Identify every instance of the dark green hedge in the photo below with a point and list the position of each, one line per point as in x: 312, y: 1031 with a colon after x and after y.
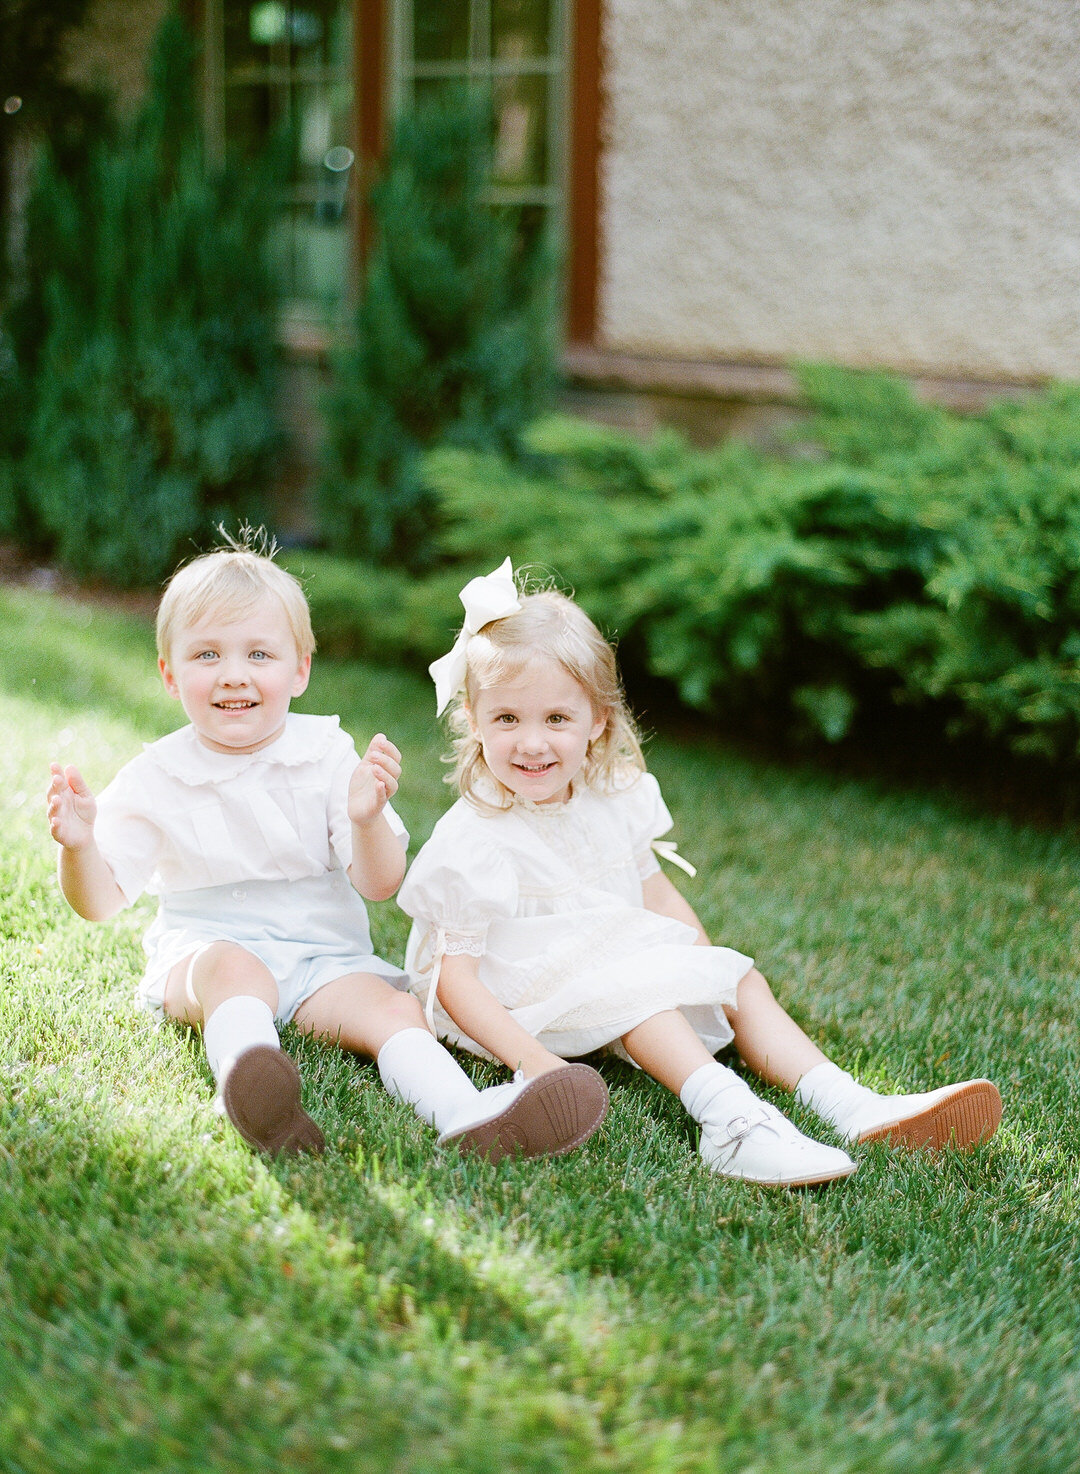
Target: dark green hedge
x: 138, y: 362
x: 901, y: 554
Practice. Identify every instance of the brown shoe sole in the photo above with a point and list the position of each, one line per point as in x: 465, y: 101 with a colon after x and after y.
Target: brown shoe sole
x: 961, y: 1120
x: 554, y: 1114
x: 262, y: 1100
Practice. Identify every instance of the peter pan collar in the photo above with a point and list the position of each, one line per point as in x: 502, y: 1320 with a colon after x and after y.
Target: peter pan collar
x: 306, y: 739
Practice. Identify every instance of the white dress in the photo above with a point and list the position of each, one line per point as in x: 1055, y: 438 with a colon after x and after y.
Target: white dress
x: 245, y: 847
x: 549, y: 898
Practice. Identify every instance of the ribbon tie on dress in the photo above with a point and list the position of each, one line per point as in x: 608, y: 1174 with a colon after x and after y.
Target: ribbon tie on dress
x: 493, y: 596
x: 667, y: 849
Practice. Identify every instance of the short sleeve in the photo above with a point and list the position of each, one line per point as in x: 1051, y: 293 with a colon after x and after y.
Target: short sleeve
x: 346, y: 761
x: 129, y: 840
x: 459, y: 890
x: 647, y: 818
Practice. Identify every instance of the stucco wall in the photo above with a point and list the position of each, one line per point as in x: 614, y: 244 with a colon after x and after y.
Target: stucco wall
x: 891, y: 182
x: 111, y: 48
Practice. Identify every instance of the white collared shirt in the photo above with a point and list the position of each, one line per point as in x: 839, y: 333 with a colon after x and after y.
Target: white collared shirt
x: 181, y: 816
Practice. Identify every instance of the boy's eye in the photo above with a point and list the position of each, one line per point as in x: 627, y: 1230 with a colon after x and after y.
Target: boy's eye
x: 260, y: 655
x: 206, y: 655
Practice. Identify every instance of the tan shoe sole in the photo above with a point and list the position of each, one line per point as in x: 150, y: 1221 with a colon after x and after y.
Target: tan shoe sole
x: 554, y: 1114
x: 262, y: 1100
x: 969, y: 1115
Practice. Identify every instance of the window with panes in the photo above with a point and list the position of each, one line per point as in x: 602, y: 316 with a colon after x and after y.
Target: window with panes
x: 283, y: 71
x: 515, y: 51
x: 273, y: 67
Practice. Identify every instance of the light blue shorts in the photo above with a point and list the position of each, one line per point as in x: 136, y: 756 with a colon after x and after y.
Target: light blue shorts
x: 307, y: 933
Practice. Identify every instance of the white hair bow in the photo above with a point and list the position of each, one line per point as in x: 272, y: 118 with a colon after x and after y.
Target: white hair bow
x: 492, y: 597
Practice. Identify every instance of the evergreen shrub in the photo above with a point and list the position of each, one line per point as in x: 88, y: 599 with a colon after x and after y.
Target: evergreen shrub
x: 926, y: 560
x: 452, y: 339
x: 144, y: 343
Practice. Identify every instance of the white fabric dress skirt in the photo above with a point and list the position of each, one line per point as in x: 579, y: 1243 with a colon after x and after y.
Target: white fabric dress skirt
x: 549, y: 898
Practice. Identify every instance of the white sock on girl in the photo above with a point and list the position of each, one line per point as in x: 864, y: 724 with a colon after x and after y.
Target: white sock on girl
x: 959, y: 1115
x: 745, y: 1137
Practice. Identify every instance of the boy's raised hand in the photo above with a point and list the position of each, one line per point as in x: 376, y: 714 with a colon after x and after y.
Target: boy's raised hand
x: 72, y: 808
x: 374, y: 781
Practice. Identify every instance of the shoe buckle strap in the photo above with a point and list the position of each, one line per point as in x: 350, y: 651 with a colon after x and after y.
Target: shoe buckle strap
x: 739, y: 1128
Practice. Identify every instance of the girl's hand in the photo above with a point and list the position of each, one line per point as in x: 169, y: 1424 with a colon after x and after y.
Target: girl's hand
x: 72, y: 809
x: 375, y: 780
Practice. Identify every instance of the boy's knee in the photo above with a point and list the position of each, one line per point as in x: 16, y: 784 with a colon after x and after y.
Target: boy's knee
x: 225, y: 969
x: 403, y: 1010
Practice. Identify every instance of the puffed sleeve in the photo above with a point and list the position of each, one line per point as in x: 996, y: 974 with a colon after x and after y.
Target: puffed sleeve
x: 457, y: 889
x: 647, y: 818
x: 345, y: 762
x: 128, y: 838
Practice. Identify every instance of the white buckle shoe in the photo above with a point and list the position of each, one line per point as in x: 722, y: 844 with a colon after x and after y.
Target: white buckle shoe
x: 763, y: 1146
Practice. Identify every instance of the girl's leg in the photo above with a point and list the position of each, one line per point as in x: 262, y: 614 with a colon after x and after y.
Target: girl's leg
x: 774, y: 1047
x: 741, y: 1136
x: 769, y: 1040
x: 550, y: 1114
x: 234, y: 995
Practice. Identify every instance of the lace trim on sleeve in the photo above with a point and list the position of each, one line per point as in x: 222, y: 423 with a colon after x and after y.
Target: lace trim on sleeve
x: 463, y: 944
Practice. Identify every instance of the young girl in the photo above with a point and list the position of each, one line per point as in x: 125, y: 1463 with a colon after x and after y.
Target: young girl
x: 260, y: 831
x: 544, y: 927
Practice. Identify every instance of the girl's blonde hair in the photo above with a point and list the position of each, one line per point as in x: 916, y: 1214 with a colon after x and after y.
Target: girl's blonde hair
x: 550, y: 625
x: 228, y: 583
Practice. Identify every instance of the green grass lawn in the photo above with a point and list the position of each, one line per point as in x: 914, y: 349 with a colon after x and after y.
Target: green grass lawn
x: 170, y: 1302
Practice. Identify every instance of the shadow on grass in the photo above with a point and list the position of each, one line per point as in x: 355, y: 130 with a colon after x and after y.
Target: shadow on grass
x: 190, y: 1307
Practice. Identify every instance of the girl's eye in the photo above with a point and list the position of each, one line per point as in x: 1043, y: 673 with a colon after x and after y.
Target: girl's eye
x: 556, y: 718
x: 505, y: 718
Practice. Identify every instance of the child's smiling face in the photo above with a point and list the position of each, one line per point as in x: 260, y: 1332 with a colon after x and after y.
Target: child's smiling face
x: 535, y: 730
x: 235, y: 679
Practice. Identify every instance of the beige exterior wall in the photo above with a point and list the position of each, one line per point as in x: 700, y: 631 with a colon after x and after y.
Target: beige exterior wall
x: 875, y: 182
x: 111, y: 48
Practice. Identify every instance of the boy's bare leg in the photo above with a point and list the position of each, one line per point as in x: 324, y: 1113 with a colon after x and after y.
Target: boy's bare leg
x: 235, y: 997
x: 224, y: 970
x: 360, y: 1012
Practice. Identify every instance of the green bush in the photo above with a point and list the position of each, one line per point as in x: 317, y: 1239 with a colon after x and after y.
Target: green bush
x: 362, y: 612
x: 452, y: 339
x: 927, y: 560
x: 144, y: 343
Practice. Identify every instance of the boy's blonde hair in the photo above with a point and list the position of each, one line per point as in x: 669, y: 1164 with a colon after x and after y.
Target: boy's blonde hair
x: 228, y: 582
x: 548, y: 624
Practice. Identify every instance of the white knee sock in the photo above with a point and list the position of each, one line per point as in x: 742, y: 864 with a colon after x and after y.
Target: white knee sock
x: 235, y: 1025
x: 416, y: 1068
x: 713, y: 1095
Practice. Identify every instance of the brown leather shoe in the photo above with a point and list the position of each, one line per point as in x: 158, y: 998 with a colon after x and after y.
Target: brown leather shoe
x: 262, y: 1100
x: 546, y: 1116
